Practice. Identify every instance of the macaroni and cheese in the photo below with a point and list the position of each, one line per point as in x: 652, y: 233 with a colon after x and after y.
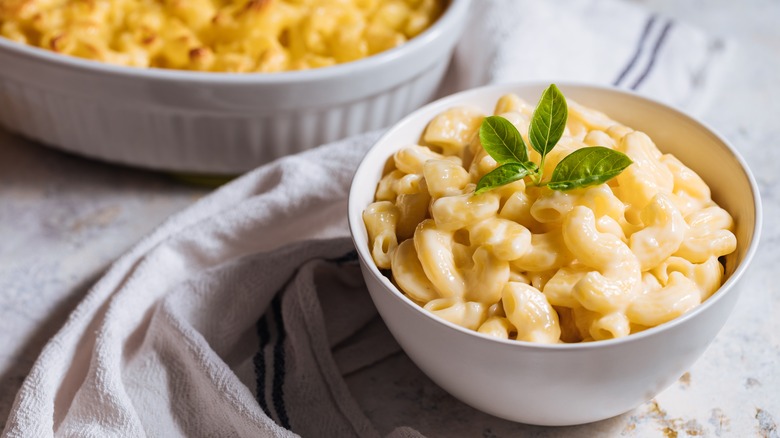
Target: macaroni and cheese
x: 525, y: 262
x: 218, y: 35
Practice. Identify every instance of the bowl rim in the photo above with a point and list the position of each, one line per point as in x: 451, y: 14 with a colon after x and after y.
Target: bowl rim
x: 355, y: 220
x: 441, y: 27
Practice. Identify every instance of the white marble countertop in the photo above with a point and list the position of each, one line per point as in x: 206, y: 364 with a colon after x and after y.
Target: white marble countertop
x: 64, y: 219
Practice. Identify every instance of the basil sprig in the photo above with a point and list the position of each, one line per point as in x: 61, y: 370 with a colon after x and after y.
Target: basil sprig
x: 502, y: 140
x: 582, y: 168
x: 586, y: 167
x: 509, y: 172
x: 548, y: 121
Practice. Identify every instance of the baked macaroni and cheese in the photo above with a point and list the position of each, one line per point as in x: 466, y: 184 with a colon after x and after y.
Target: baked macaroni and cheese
x: 217, y: 35
x: 519, y: 260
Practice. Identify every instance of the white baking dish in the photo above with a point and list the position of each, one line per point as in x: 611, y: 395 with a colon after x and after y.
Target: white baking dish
x: 215, y: 123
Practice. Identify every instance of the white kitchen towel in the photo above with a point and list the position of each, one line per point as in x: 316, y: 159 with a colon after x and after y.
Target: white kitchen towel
x: 241, y: 315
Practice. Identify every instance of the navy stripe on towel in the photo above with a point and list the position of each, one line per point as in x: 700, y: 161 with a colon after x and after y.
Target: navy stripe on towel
x: 656, y: 48
x: 259, y: 362
x: 279, y: 364
x: 638, y: 51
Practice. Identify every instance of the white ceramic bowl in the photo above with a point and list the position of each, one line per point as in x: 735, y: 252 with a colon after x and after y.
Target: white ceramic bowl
x: 566, y: 384
x: 216, y: 123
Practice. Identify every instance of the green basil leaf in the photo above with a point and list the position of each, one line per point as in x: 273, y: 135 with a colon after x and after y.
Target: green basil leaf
x: 502, y: 140
x: 500, y: 176
x: 531, y: 166
x: 548, y: 120
x: 586, y: 167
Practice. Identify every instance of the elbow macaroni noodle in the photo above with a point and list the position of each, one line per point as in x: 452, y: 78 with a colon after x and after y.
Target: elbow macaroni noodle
x: 217, y: 35
x: 527, y: 263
